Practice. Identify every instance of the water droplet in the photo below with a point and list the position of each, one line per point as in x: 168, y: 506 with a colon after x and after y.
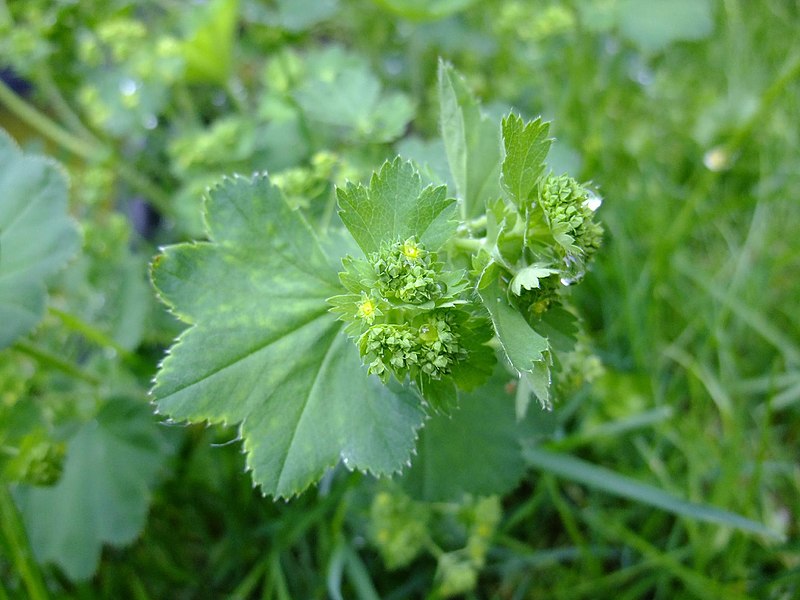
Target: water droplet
x: 644, y: 76
x: 150, y: 121
x: 716, y: 159
x: 611, y: 46
x: 593, y: 201
x: 393, y: 65
x: 128, y: 87
x: 219, y: 99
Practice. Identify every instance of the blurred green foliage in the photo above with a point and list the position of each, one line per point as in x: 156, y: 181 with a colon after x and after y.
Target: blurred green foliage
x: 683, y: 115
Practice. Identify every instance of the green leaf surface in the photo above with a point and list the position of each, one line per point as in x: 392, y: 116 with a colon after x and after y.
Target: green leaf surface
x: 425, y: 10
x: 104, y: 493
x: 655, y: 24
x: 265, y: 352
x: 342, y: 95
x: 396, y: 207
x: 478, y: 449
x: 560, y: 327
x: 526, y: 350
x: 37, y: 237
x: 472, y: 143
x: 528, y: 278
x: 208, y: 51
x: 526, y: 146
x: 521, y: 344
x: 611, y: 482
x: 292, y: 15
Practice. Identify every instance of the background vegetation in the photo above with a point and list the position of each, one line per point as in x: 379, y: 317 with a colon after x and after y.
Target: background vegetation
x: 683, y: 114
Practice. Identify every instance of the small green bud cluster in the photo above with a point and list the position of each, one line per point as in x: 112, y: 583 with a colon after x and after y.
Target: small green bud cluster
x: 398, y: 527
x: 566, y: 204
x: 537, y: 300
x: 411, y: 320
x: 459, y: 534
x: 455, y: 575
x: 40, y: 462
x: 406, y: 272
x: 431, y: 349
x: 485, y: 515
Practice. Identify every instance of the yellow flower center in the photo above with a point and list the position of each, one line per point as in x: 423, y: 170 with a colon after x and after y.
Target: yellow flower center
x: 366, y: 310
x: 410, y: 250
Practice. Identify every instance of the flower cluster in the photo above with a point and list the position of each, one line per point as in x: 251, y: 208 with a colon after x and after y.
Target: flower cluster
x: 431, y: 348
x: 412, y: 319
x: 407, y: 272
x: 568, y: 208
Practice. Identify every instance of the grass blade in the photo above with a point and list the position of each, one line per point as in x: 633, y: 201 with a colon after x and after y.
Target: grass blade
x: 611, y: 482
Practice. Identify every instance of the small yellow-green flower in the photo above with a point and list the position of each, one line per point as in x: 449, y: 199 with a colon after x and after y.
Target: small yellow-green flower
x: 367, y: 310
x: 410, y: 249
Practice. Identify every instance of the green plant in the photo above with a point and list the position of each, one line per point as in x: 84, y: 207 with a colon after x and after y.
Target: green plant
x: 462, y: 279
x: 436, y: 280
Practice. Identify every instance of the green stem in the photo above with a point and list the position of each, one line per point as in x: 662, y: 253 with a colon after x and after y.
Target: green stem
x: 49, y: 359
x: 234, y: 88
x: 277, y: 578
x: 62, y: 107
x: 477, y: 223
x: 95, y: 336
x: 327, y: 214
x: 47, y: 127
x: 186, y: 105
x: 570, y: 523
x: 469, y: 244
x: 153, y: 194
x: 13, y: 531
x: 90, y: 151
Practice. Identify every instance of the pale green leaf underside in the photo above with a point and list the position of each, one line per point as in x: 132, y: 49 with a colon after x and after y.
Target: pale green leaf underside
x: 521, y: 344
x: 265, y: 352
x: 36, y: 236
x: 104, y: 493
x: 472, y: 143
x: 354, y: 103
x: 655, y: 24
x: 396, y: 207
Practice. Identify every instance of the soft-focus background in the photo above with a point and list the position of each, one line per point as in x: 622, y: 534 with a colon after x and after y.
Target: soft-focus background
x: 683, y: 114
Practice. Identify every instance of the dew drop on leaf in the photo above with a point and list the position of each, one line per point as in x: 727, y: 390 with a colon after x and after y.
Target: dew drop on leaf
x: 128, y: 87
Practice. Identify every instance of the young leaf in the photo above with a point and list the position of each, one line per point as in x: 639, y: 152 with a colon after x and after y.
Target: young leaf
x: 526, y: 146
x: 208, y: 51
x: 344, y: 95
x: 395, y: 207
x: 103, y: 495
x: 528, y: 278
x: 265, y: 352
x: 527, y: 351
x: 36, y: 236
x: 472, y: 143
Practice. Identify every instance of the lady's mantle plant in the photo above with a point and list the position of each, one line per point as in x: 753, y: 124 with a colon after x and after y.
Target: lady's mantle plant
x: 322, y: 359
